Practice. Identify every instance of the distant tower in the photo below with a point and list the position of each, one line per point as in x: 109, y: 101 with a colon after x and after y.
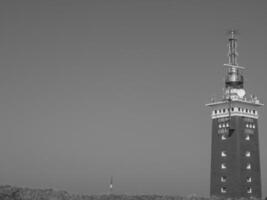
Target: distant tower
x: 111, y: 185
x: 235, y: 156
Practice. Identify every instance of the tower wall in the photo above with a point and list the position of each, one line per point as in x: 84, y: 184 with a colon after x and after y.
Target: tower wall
x: 235, y: 163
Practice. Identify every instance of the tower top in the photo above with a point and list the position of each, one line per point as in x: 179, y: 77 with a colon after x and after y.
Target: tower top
x: 234, y: 78
x: 234, y: 82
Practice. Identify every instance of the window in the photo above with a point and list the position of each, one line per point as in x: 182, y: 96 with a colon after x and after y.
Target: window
x: 215, y: 111
x: 250, y: 126
x: 253, y: 126
x: 223, y: 190
x: 227, y: 124
x: 249, y: 190
x: 248, y: 154
x: 223, y: 179
x: 220, y: 126
x: 223, y: 137
x: 249, y: 179
x: 223, y: 154
x: 224, y: 110
x: 248, y: 167
x: 247, y: 138
x: 223, y: 166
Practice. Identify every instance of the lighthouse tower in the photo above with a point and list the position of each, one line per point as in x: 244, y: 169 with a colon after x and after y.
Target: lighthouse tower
x: 235, y: 156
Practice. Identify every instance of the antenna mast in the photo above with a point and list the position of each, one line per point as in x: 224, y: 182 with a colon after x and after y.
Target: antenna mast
x: 234, y: 79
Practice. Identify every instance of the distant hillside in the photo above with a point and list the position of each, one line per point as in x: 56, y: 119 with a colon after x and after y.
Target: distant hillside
x: 15, y: 193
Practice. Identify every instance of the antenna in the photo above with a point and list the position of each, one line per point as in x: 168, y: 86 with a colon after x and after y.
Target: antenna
x: 232, y: 53
x: 234, y: 78
x: 232, y: 50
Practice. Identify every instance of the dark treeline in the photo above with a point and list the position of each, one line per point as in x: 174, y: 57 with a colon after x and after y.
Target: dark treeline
x: 15, y: 193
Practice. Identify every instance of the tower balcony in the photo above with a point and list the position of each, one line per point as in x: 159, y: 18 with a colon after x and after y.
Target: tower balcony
x: 236, y: 107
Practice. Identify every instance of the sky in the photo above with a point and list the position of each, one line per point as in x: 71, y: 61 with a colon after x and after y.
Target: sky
x: 94, y: 89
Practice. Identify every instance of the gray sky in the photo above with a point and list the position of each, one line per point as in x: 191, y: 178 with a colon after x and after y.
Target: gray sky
x: 93, y: 89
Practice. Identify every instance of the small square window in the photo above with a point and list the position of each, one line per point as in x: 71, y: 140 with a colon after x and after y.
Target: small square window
x: 248, y: 167
x: 249, y: 179
x: 223, y: 190
x: 223, y: 179
x: 249, y: 190
x: 223, y: 154
x: 223, y: 166
x: 247, y: 138
x: 223, y: 137
x: 248, y: 154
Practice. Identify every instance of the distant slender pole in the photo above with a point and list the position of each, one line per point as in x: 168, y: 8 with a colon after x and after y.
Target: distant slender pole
x: 111, y: 185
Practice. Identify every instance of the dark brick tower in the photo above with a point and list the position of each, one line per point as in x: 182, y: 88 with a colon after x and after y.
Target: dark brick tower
x: 235, y: 156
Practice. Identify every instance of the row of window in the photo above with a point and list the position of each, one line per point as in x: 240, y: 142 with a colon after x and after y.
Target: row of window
x: 224, y: 179
x: 247, y: 154
x: 224, y: 190
x: 223, y: 137
x: 226, y: 125
x: 250, y: 126
x: 223, y: 125
x: 248, y: 166
x: 236, y: 109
